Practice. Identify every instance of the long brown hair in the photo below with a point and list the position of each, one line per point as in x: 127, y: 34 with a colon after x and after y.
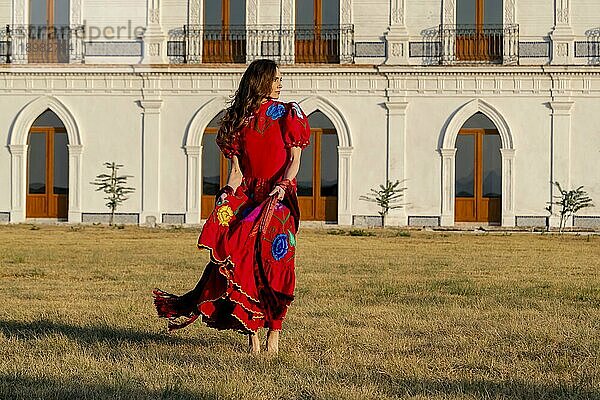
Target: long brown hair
x: 256, y: 84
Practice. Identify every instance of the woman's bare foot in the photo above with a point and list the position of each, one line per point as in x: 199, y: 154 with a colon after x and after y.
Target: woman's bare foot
x: 253, y: 343
x: 273, y: 341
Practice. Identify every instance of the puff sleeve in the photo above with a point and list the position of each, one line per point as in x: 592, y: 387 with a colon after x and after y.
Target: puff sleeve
x: 233, y: 148
x: 295, y: 128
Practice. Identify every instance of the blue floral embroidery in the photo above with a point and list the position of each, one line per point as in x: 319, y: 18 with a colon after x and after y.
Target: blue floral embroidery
x: 298, y: 110
x: 275, y: 111
x: 279, y: 248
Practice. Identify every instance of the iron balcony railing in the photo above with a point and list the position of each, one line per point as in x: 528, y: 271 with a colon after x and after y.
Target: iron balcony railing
x: 41, y: 44
x: 479, y: 44
x: 242, y: 44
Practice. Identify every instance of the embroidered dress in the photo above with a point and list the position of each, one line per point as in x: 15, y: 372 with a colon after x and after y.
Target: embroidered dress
x: 250, y: 279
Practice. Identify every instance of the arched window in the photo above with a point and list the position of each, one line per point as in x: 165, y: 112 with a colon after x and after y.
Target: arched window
x: 47, y: 168
x: 318, y: 175
x: 478, y: 185
x: 214, y: 166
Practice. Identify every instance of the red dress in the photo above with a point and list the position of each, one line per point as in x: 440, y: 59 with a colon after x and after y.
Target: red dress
x: 250, y: 279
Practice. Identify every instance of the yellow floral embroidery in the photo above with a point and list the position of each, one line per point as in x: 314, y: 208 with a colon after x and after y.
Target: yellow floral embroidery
x: 224, y: 214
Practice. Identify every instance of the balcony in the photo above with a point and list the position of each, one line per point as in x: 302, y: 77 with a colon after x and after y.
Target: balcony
x: 196, y: 44
x: 479, y: 44
x: 21, y: 44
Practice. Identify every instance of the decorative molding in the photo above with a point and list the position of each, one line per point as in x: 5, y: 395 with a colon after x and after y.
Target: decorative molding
x: 194, y: 14
x: 252, y: 12
x: 346, y: 12
x: 76, y: 16
x: 509, y: 12
x: 154, y: 16
x: 397, y: 12
x: 20, y: 9
x: 449, y: 10
x: 562, y: 12
x: 369, y: 49
x: 287, y: 13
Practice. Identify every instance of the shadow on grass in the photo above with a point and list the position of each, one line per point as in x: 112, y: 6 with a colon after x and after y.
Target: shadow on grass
x: 25, y: 387
x: 103, y: 333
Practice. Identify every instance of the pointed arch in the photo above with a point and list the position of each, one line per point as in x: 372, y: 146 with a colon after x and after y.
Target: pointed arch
x: 467, y: 111
x: 193, y: 152
x: 345, y: 148
x: 201, y: 119
x: 311, y: 104
x: 17, y: 144
x: 28, y: 114
x: 448, y: 154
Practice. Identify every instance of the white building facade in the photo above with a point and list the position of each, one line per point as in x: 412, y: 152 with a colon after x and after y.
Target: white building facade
x: 475, y: 106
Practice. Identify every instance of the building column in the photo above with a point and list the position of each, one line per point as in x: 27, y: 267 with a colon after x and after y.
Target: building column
x: 562, y: 34
x: 396, y: 155
x: 448, y: 170
x: 75, y: 182
x: 561, y: 151
x: 18, y: 153
x: 155, y: 41
x: 150, y: 161
x: 194, y: 184
x: 345, y: 185
x: 508, y: 187
x: 397, y: 35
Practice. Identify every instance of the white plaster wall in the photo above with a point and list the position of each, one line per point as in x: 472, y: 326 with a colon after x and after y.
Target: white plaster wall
x: 114, y: 13
x: 535, y: 19
x: 269, y: 12
x: 422, y: 15
x: 585, y: 150
x: 371, y: 19
x: 5, y: 13
x: 6, y: 118
x: 585, y: 15
x: 107, y: 139
x: 174, y: 14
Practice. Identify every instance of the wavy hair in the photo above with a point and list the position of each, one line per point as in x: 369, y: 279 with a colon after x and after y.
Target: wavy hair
x: 256, y: 84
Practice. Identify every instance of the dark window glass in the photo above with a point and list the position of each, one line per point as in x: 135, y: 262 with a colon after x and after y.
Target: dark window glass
x: 37, y: 163
x: 214, y: 123
x: 330, y: 12
x: 48, y: 119
x: 319, y: 120
x: 466, y: 12
x: 492, y: 166
x: 237, y: 12
x: 38, y: 14
x: 305, y: 13
x: 465, y: 166
x: 211, y: 166
x: 61, y: 164
x: 329, y: 165
x: 492, y: 12
x: 305, y: 174
x: 61, y: 12
x: 213, y: 13
x: 479, y: 120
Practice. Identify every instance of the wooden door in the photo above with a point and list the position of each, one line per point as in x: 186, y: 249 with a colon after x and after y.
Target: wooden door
x: 224, y: 38
x: 317, y: 31
x: 215, y: 170
x: 479, y: 35
x: 318, y: 177
x: 47, y: 173
x: 48, y: 38
x: 478, y: 176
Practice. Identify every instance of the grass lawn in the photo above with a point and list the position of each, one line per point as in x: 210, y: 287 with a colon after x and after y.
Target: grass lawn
x: 420, y: 316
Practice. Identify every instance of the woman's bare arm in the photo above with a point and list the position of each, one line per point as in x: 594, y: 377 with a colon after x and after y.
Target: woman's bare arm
x: 235, y: 174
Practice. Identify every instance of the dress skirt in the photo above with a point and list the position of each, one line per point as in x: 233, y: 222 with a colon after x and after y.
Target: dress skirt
x: 250, y: 278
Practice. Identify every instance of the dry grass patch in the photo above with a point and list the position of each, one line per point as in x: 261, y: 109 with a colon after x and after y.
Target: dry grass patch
x: 394, y: 315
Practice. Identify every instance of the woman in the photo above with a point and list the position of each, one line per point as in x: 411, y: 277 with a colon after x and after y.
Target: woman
x: 249, y: 282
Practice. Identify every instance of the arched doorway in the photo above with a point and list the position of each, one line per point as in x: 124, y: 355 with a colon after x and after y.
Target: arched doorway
x: 47, y: 168
x: 478, y: 171
x: 215, y: 167
x: 318, y: 175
